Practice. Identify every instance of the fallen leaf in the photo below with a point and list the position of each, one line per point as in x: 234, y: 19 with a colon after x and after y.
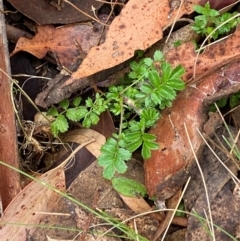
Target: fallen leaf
x: 137, y: 204
x: 22, y: 212
x: 83, y: 156
x: 48, y: 14
x: 61, y: 41
x: 140, y: 25
x: 80, y: 136
x: 105, y: 125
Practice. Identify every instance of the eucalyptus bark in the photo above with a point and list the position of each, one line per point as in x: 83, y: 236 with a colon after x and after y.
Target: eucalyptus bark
x: 9, y: 179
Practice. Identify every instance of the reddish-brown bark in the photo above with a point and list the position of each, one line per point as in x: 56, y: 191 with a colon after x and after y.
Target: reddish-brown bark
x: 9, y: 179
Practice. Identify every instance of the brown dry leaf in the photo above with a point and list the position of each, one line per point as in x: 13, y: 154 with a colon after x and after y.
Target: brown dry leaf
x: 42, y: 12
x: 60, y: 41
x: 139, y: 26
x: 23, y: 209
x: 80, y: 136
x: 137, y: 204
x: 105, y: 125
x: 170, y: 165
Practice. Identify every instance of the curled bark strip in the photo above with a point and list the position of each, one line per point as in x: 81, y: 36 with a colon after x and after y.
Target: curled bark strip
x: 170, y: 166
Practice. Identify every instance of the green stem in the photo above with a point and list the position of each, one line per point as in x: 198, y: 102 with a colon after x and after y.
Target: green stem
x: 134, y: 83
x: 121, y: 116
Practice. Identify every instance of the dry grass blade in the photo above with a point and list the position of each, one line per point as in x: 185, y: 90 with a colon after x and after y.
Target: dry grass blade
x: 204, y: 183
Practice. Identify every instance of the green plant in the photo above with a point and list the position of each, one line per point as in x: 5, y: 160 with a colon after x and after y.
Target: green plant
x: 209, y: 19
x: 152, y: 86
x: 231, y: 102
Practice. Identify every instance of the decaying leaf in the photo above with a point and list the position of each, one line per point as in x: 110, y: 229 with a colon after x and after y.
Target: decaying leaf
x: 82, y: 135
x: 63, y: 42
x: 25, y: 209
x: 47, y: 13
x: 81, y: 153
x: 139, y: 26
x: 137, y: 204
x: 105, y: 125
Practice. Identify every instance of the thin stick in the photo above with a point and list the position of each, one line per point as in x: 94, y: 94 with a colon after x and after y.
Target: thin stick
x: 175, y: 20
x: 86, y: 14
x: 175, y: 210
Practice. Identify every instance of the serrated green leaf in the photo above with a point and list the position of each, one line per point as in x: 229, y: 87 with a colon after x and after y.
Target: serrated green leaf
x: 76, y: 114
x: 76, y: 102
x: 110, y: 145
x: 146, y: 152
x: 151, y: 145
x: 198, y: 9
x: 154, y: 78
x: 89, y: 102
x: 134, y: 126
x: 176, y: 84
x: 165, y: 103
x: 167, y: 92
x: 213, y: 13
x: 148, y: 61
x: 94, y: 118
x: 52, y: 111
x: 146, y: 88
x: 120, y: 165
x: 115, y: 108
x: 132, y: 75
x: 108, y: 172
x: 113, y: 158
x: 61, y: 123
x: 148, y: 137
x: 64, y: 104
x: 158, y: 56
x: 132, y: 136
x: 128, y: 187
x: 140, y: 95
x: 150, y: 115
x: 81, y: 112
x: 86, y: 122
x: 166, y: 71
x: 133, y: 146
x: 155, y: 97
x: 177, y: 72
x: 71, y: 114
x: 123, y: 154
x: 54, y: 129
